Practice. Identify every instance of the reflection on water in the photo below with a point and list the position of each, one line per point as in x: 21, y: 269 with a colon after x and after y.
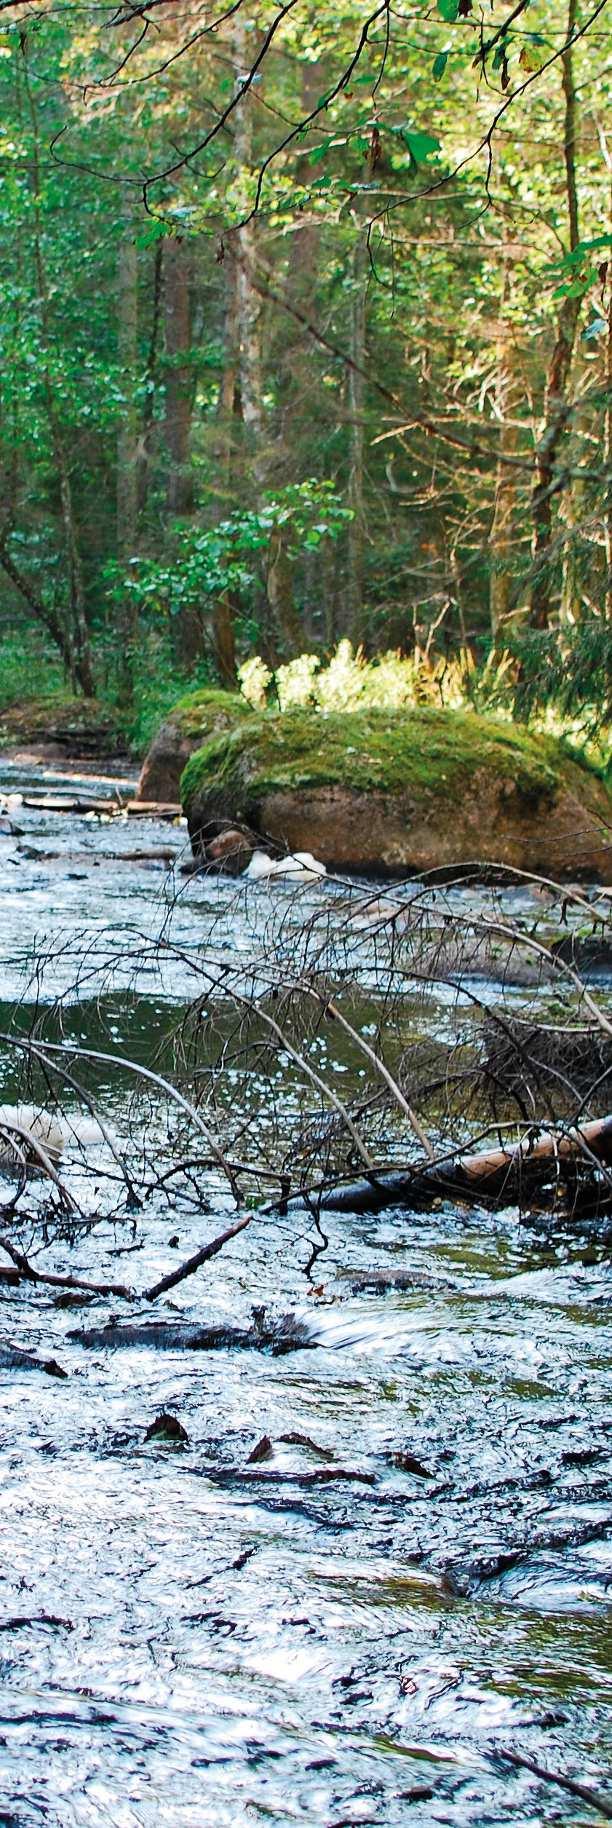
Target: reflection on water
x: 414, y: 1573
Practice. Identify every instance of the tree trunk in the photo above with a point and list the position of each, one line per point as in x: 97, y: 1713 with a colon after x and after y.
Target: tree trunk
x: 127, y: 444
x: 557, y: 407
x: 177, y: 424
x: 530, y: 1170
x: 148, y: 411
x: 248, y: 303
x: 355, y: 400
x: 279, y: 587
x: 227, y: 412
x: 279, y: 580
x: 77, y: 643
x: 608, y: 458
x: 177, y: 317
x: 501, y: 538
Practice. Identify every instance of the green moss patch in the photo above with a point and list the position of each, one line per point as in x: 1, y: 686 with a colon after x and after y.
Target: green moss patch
x: 428, y: 751
x: 200, y: 712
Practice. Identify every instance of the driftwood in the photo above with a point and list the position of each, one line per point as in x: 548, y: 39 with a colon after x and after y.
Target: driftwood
x: 80, y: 803
x: 194, y: 1263
x: 23, y: 1268
x: 516, y: 1174
x: 286, y: 1335
x: 15, y: 1358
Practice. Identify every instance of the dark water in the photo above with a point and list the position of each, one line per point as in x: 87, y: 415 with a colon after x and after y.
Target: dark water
x: 413, y: 1579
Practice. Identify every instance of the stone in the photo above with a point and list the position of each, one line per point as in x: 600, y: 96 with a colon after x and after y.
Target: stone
x: 193, y: 721
x: 230, y: 852
x: 400, y: 793
x: 168, y: 1430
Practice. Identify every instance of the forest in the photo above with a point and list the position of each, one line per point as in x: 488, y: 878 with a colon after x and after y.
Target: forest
x: 306, y: 913
x: 306, y: 334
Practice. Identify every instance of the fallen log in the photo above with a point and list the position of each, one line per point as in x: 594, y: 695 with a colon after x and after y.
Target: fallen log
x: 80, y: 803
x: 15, y: 1358
x: 75, y: 803
x: 514, y: 1175
x: 154, y: 809
x: 286, y: 1335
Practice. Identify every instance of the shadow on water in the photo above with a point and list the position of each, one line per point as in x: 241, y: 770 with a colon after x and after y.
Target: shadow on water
x: 374, y: 1563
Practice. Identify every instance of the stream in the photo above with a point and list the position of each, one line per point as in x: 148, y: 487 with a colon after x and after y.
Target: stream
x: 380, y: 1561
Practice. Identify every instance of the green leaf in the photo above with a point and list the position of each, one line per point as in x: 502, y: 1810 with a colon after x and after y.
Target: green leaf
x: 319, y: 152
x: 449, y: 10
x: 153, y: 231
x: 439, y: 65
x: 420, y: 145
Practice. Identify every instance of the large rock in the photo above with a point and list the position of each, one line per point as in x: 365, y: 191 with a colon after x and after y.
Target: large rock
x: 389, y: 793
x: 192, y: 722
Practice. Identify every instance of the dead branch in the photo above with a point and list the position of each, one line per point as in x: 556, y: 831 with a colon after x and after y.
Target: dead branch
x: 194, y: 1263
x: 594, y: 1798
x: 30, y: 1274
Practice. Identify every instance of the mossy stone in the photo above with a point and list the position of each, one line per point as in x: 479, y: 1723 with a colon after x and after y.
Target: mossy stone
x: 387, y: 792
x: 196, y: 719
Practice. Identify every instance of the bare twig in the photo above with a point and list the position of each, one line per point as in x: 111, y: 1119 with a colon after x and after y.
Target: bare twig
x: 594, y: 1798
x: 194, y: 1263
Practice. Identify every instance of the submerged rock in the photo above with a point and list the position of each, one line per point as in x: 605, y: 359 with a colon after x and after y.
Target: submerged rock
x: 168, y: 1431
x: 400, y: 792
x: 230, y: 853
x: 193, y: 721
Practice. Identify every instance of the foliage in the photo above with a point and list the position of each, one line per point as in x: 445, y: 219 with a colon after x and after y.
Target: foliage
x: 569, y: 667
x: 307, y: 374
x: 24, y: 659
x: 206, y: 562
x: 348, y: 681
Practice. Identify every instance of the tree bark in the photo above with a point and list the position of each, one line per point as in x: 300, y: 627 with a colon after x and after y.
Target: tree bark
x: 127, y: 444
x: 501, y: 537
x: 279, y: 578
x: 224, y: 452
x: 77, y: 643
x: 248, y: 303
x: 356, y: 401
x: 177, y: 424
x: 608, y: 458
x: 177, y: 275
x: 144, y: 448
x: 519, y: 1173
x: 557, y: 407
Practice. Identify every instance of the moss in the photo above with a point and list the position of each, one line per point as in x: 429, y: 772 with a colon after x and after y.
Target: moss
x: 424, y: 750
x: 208, y: 709
x: 60, y: 714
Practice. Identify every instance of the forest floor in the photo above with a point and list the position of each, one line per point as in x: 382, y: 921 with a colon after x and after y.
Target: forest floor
x: 82, y: 732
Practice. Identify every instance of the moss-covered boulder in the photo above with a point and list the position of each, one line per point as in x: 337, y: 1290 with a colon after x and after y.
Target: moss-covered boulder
x: 389, y: 793
x: 190, y: 723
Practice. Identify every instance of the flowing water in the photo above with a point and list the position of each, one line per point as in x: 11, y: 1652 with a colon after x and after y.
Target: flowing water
x: 380, y: 1561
